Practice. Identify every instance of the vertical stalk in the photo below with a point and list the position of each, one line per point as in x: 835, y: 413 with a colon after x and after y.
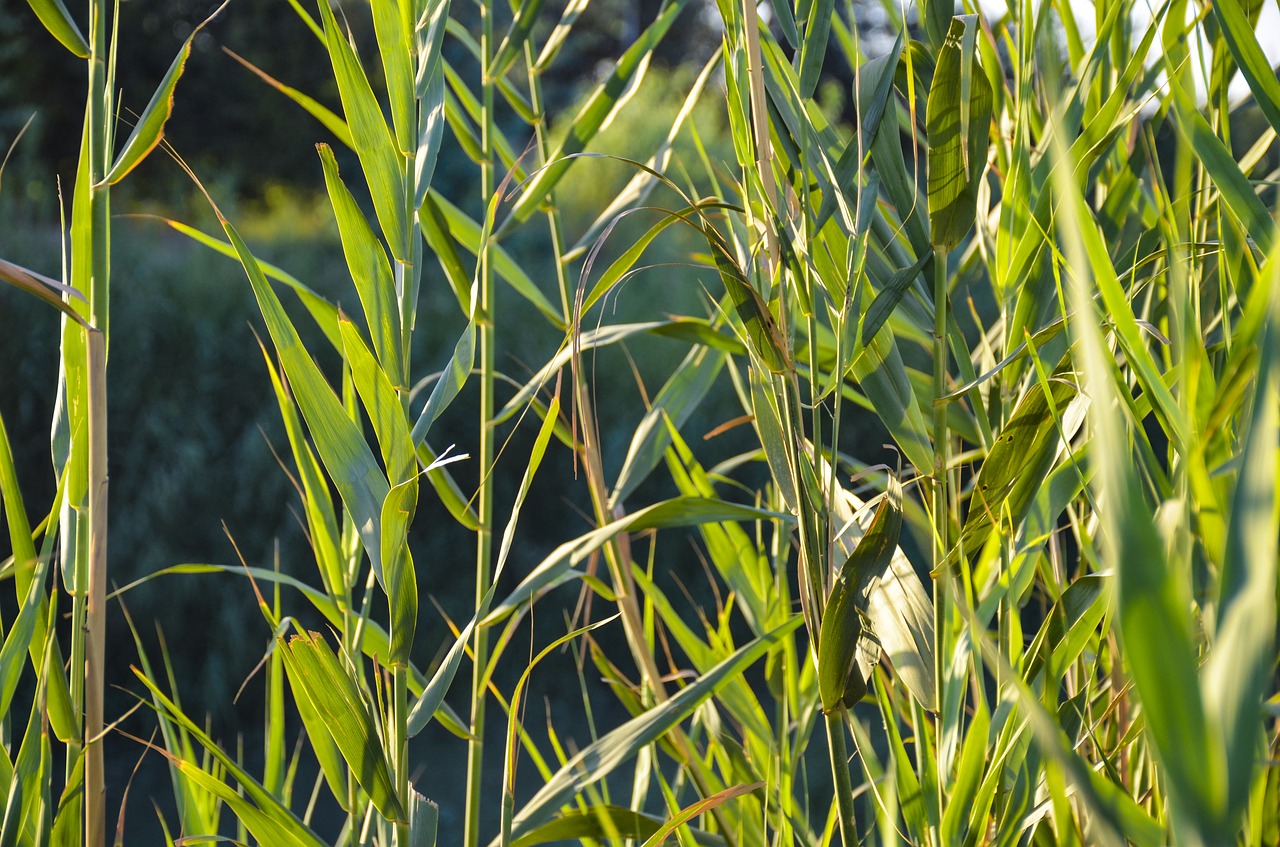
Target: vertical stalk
x: 940, y: 438
x: 484, y: 536
x: 89, y: 629
x: 840, y: 772
x: 95, y: 618
x: 400, y: 722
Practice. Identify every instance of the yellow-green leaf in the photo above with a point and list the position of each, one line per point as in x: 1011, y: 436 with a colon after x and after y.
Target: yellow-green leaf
x: 55, y: 17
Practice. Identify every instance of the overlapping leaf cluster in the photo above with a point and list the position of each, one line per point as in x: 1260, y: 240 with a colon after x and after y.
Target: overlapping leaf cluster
x: 1051, y: 621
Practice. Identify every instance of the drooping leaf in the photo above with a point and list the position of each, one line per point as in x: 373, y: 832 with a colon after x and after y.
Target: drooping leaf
x: 149, y: 129
x: 332, y: 122
x: 55, y: 17
x: 48, y: 290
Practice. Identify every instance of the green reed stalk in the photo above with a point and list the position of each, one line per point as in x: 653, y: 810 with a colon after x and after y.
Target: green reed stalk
x: 942, y: 578
x: 89, y: 632
x: 488, y: 340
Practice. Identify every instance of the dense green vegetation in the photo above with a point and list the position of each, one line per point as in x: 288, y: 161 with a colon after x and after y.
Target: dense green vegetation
x: 855, y: 433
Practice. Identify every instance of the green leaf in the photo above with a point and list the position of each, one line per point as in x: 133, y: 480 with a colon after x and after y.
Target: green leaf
x: 433, y: 693
x: 431, y: 97
x: 315, y: 673
x: 1236, y: 190
x: 468, y: 233
x: 762, y: 330
x: 973, y: 757
x: 521, y: 26
x: 813, y: 49
x: 1242, y: 40
x: 424, y: 817
x: 370, y: 270
x: 381, y: 403
x: 55, y: 17
x: 1019, y: 461
x: 451, y: 380
x: 19, y: 639
x: 958, y: 128
x: 597, y: 821
x: 677, y: 512
x: 701, y: 807
x: 331, y: 121
x: 338, y: 439
x: 149, y: 129
x: 48, y: 290
x: 678, y: 398
x: 1238, y: 673
x: 324, y: 312
x: 28, y: 573
x: 599, y: 759
x: 604, y: 101
x: 275, y: 822
x: 887, y: 299
x: 897, y: 608
x: 324, y: 748
x: 383, y: 165
x: 1154, y: 589
x: 841, y: 682
x: 393, y: 27
x: 397, y: 563
x: 317, y: 499
x: 883, y: 377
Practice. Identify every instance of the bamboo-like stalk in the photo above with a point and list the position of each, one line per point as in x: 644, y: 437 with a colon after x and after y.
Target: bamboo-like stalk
x: 484, y: 535
x: 92, y: 587
x: 941, y: 578
x: 95, y: 609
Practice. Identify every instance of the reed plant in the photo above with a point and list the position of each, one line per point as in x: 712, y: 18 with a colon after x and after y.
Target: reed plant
x: 68, y: 692
x: 1043, y: 264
